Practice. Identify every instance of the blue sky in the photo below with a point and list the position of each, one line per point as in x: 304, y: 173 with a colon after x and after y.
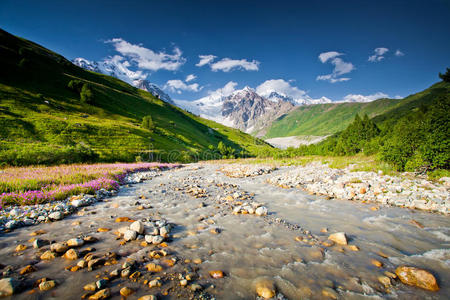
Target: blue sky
x: 251, y: 41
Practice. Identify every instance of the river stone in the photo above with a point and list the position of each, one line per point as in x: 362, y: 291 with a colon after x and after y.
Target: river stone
x: 101, y: 284
x: 164, y: 230
x: 47, y: 285
x: 48, y: 255
x: 8, y: 286
x: 137, y: 226
x: 102, y: 294
x: 71, y: 254
x: 339, y: 238
x: 59, y: 247
x: 157, y: 239
x: 76, y: 242
x: 130, y: 235
x: 417, y: 277
x: 38, y: 243
x: 15, y: 212
x: 148, y: 297
x: 126, y: 291
x: 57, y: 215
x: 265, y: 288
x: 261, y: 211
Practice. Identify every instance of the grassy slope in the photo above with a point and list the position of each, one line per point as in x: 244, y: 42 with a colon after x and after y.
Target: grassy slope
x: 324, y: 119
x: 37, y: 108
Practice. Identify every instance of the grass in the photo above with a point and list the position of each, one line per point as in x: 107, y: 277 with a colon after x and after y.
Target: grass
x: 39, y: 113
x: 34, y: 185
x: 326, y: 119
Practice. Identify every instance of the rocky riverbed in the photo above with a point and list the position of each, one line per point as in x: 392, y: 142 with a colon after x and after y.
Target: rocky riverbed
x: 234, y: 232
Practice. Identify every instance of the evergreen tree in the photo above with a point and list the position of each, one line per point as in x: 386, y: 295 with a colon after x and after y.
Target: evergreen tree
x: 445, y: 77
x: 147, y: 123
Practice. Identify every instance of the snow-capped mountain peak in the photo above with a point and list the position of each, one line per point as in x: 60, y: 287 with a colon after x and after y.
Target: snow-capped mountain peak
x: 112, y: 68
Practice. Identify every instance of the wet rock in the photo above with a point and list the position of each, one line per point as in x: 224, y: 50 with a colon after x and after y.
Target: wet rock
x: 38, y: 243
x: 96, y: 262
x: 195, y: 287
x: 71, y: 254
x: 126, y: 291
x: 102, y: 294
x: 28, y: 269
x: 384, y: 280
x: 48, y: 255
x: 90, y: 287
x: 47, y: 285
x: 8, y: 286
x: 59, y: 247
x: 55, y: 216
x: 148, y: 297
x: 265, y: 288
x: 216, y: 274
x: 101, y: 284
x: 152, y: 267
x: 417, y: 277
x: 76, y: 242
x: 21, y: 247
x: 137, y: 226
x: 130, y: 235
x: 261, y: 211
x: 154, y: 283
x: 376, y: 263
x: 339, y: 238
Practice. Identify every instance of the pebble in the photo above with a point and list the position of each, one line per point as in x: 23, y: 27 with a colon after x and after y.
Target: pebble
x: 126, y: 291
x: 59, y: 247
x: 130, y: 235
x: 148, y: 297
x: 417, y: 277
x: 261, y: 211
x: 216, y: 274
x: 137, y: 226
x: 265, y: 288
x: 102, y: 294
x: 71, y: 254
x: 154, y: 283
x: 48, y: 255
x: 55, y: 216
x: 38, y: 243
x: 76, y: 242
x: 339, y: 238
x: 47, y: 285
x: 28, y: 269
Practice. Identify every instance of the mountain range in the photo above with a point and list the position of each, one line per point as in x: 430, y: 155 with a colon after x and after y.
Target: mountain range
x: 244, y: 109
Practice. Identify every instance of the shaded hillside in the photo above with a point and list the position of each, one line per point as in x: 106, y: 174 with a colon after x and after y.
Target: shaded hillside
x: 42, y: 118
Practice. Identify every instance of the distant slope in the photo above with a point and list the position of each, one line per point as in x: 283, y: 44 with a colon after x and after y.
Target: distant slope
x: 325, y: 119
x: 41, y: 116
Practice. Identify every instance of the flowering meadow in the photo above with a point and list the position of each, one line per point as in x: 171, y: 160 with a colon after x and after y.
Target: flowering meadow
x: 33, y: 185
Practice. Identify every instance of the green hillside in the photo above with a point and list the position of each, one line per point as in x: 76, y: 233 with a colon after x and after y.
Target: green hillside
x: 325, y: 119
x: 42, y: 120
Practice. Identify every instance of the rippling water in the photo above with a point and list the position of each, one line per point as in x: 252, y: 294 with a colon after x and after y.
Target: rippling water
x: 251, y: 247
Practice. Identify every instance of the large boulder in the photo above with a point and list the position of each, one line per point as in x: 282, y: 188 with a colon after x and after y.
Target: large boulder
x: 8, y: 286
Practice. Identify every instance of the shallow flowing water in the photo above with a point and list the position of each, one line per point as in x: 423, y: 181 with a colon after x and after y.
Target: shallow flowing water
x: 249, y: 247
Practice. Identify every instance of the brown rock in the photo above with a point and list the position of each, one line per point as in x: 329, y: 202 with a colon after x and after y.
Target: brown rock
x: 339, y: 238
x: 28, y: 269
x: 152, y: 267
x: 216, y: 274
x: 59, y: 247
x: 21, y: 247
x: 384, y: 280
x: 71, y: 254
x: 148, y: 297
x: 123, y: 219
x: 330, y: 293
x: 362, y: 190
x: 38, y: 232
x: 48, y: 255
x: 47, y: 285
x: 90, y: 287
x: 126, y: 291
x: 265, y: 288
x: 103, y: 229
x: 417, y: 277
x: 353, y: 247
x: 102, y: 294
x: 376, y: 263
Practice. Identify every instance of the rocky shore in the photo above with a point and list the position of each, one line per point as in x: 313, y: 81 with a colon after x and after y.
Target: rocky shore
x: 369, y: 187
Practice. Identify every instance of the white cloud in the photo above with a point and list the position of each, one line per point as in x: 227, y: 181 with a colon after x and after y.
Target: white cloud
x: 379, y: 54
x: 328, y: 55
x: 226, y: 90
x: 228, y: 64
x: 341, y: 67
x: 148, y: 59
x: 205, y: 59
x: 279, y: 86
x: 362, y: 98
x: 118, y: 66
x: 399, y: 53
x: 177, y: 86
x: 190, y: 77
